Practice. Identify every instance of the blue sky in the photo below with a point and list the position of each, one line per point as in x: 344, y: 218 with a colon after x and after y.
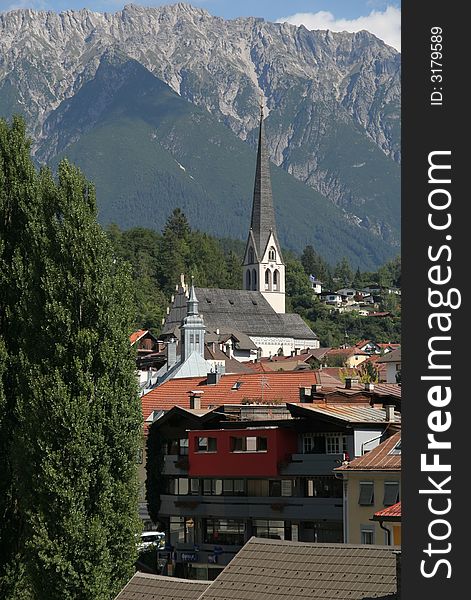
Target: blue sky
x: 382, y: 17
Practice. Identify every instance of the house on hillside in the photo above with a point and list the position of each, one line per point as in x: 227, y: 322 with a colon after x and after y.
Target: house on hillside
x: 392, y: 360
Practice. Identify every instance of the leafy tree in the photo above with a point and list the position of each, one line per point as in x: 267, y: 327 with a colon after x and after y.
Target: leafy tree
x: 314, y: 264
x: 369, y: 372
x: 70, y: 422
x: 343, y: 273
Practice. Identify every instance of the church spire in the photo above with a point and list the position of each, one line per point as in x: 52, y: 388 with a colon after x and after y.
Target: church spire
x: 263, y: 214
x: 192, y: 302
x: 263, y: 266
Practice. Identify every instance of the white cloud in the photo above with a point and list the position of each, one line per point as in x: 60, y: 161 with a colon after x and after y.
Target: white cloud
x: 384, y: 24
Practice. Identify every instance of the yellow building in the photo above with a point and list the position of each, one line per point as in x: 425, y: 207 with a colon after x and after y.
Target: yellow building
x: 371, y: 483
x: 392, y: 517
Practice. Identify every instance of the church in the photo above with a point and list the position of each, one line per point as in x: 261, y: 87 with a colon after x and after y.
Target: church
x: 251, y: 322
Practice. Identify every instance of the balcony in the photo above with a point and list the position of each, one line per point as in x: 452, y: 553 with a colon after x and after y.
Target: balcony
x: 263, y: 507
x: 175, y: 465
x: 310, y: 464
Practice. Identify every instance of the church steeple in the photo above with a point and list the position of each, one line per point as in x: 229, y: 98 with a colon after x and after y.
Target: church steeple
x: 264, y: 270
x: 263, y: 215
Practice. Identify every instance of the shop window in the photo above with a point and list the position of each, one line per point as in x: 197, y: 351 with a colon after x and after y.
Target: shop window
x: 274, y: 530
x: 229, y: 532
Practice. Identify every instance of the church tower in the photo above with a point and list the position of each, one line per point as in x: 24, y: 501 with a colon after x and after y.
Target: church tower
x: 193, y: 328
x: 263, y: 266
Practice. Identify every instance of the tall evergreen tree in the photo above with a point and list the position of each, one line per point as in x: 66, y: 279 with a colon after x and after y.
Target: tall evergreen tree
x: 71, y: 424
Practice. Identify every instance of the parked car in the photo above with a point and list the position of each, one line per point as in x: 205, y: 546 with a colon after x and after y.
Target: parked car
x: 152, y: 538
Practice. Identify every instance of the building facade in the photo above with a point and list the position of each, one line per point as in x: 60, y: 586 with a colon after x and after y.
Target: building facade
x: 233, y: 472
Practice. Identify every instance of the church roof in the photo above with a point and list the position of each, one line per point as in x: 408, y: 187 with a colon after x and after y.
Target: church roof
x: 242, y: 310
x: 263, y: 215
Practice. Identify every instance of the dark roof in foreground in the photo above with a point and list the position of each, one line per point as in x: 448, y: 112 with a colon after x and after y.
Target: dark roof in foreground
x: 277, y: 570
x: 143, y: 586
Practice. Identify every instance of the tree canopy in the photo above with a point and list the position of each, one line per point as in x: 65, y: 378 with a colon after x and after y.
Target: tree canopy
x: 70, y: 419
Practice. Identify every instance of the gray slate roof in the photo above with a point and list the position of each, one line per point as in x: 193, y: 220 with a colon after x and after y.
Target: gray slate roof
x: 239, y: 310
x: 143, y: 586
x: 276, y: 570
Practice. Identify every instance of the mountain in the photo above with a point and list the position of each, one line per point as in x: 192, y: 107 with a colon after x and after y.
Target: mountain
x: 333, y: 99
x: 149, y: 151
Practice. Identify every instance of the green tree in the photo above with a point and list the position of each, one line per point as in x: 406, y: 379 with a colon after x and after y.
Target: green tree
x: 343, y: 273
x: 174, y: 250
x: 70, y: 421
x: 314, y: 264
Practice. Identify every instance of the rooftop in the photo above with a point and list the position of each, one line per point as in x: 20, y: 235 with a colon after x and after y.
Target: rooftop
x: 241, y: 388
x: 385, y: 457
x: 347, y: 413
x: 144, y: 586
x: 268, y: 569
x: 390, y: 513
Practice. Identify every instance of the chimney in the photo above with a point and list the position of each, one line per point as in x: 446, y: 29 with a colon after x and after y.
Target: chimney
x: 213, y: 377
x: 195, y: 399
x: 369, y: 387
x: 389, y: 408
x: 305, y: 394
x: 349, y: 382
x: 171, y: 353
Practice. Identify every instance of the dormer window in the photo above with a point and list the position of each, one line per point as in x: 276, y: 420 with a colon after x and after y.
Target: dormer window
x: 272, y: 254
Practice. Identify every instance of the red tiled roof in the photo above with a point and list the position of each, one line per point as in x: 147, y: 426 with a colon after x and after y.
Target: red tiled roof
x: 134, y: 337
x: 378, y: 459
x: 346, y: 351
x: 257, y: 387
x: 393, y: 511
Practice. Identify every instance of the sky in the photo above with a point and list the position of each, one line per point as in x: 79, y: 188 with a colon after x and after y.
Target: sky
x: 381, y: 17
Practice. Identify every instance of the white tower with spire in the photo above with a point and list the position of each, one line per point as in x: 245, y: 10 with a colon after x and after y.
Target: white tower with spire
x: 193, y: 329
x: 263, y: 266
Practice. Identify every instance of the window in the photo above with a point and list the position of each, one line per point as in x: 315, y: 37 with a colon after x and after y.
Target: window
x: 195, y: 487
x: 254, y: 279
x: 206, y: 444
x: 183, y: 486
x: 336, y: 444
x: 280, y: 487
x: 257, y: 487
x: 197, y: 338
x: 177, y: 530
x: 268, y: 279
x: 391, y: 493
x: 324, y: 486
x: 212, y: 487
x: 183, y: 447
x: 272, y: 254
x: 367, y: 536
x: 276, y: 278
x: 249, y: 444
x: 251, y: 256
x: 274, y: 530
x: 192, y: 338
x: 233, y: 487
x: 366, y: 493
x: 224, y: 531
x: 248, y: 281
x: 313, y: 444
